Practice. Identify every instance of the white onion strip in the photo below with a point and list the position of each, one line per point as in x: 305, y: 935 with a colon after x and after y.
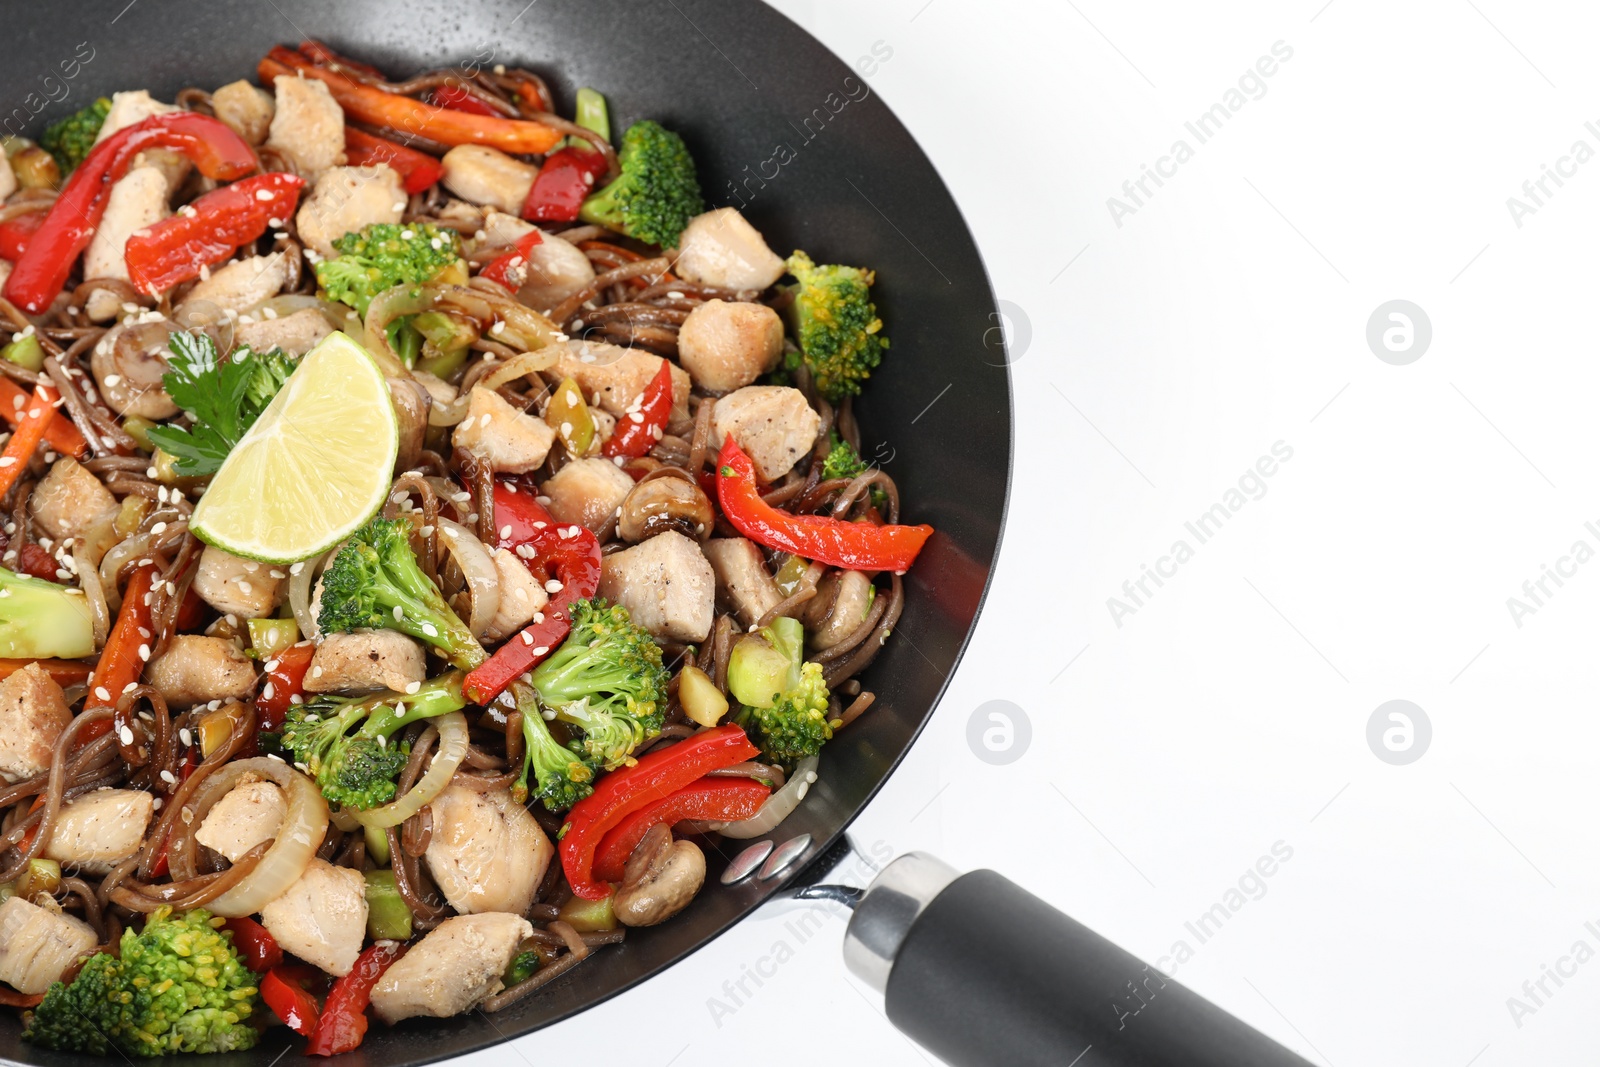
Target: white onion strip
x: 451, y: 751
x: 299, y: 836
x: 300, y: 582
x: 777, y: 807
x: 477, y: 567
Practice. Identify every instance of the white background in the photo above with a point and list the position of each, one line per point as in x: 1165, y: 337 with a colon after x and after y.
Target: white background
x: 1229, y: 712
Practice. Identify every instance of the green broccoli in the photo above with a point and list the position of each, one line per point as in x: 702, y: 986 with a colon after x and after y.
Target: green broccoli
x: 561, y: 775
x: 375, y: 582
x: 70, y: 139
x: 344, y: 742
x: 178, y: 986
x: 783, y: 699
x: 384, y: 255
x: 842, y: 461
x: 607, y: 680
x: 657, y: 193
x: 836, y: 325
x: 40, y: 619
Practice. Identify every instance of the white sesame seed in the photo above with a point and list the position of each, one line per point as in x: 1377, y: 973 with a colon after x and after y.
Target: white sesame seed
x: 430, y: 629
x: 101, y: 693
x: 125, y: 735
x: 185, y: 736
x: 552, y: 586
x: 413, y: 687
x: 541, y: 650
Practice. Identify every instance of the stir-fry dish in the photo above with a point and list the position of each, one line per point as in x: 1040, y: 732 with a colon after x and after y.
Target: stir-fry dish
x: 426, y: 528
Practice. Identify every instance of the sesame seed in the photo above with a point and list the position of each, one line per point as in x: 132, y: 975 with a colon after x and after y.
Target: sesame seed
x: 430, y: 629
x: 413, y: 687
x: 102, y: 693
x: 527, y: 638
x: 185, y: 736
x: 552, y: 586
x: 267, y: 691
x: 505, y: 531
x: 125, y: 735
x: 542, y: 650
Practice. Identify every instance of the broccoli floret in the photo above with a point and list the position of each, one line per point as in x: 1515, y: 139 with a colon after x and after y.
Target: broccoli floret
x: 783, y: 699
x: 657, y: 193
x: 178, y: 986
x: 561, y: 776
x: 40, y: 619
x: 269, y: 371
x: 375, y: 582
x: 384, y: 255
x: 345, y: 743
x: 843, y: 460
x: 607, y: 680
x: 70, y: 139
x: 836, y: 325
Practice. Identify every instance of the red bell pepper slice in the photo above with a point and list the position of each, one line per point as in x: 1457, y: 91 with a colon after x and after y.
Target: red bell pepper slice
x: 216, y: 151
x: 417, y: 170
x: 510, y: 270
x: 857, y: 546
x: 456, y: 98
x: 33, y: 559
x: 255, y: 946
x: 344, y: 1016
x: 126, y: 652
x: 642, y: 425
x: 63, y: 436
x: 568, y: 553
x: 289, y: 1000
x: 208, y: 230
x: 722, y: 799
x: 379, y: 107
x: 563, y: 183
x: 619, y: 794
x: 17, y: 231
x: 286, y: 679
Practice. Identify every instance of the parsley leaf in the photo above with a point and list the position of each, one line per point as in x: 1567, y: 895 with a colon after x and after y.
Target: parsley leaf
x: 224, y: 397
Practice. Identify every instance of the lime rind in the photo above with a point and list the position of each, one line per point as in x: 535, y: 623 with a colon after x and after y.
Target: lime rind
x: 316, y: 465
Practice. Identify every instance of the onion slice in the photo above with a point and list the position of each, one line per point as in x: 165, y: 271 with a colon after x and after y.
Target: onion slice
x: 777, y: 808
x: 299, y: 836
x: 451, y: 751
x: 477, y: 567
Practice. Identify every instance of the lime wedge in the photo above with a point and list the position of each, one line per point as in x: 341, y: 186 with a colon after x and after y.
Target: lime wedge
x: 313, y: 468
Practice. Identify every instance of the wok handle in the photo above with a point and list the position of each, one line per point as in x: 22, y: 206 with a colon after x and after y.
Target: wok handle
x: 981, y: 972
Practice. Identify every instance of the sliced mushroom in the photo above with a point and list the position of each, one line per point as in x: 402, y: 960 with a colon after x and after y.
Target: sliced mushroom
x: 661, y: 878
x: 663, y: 501
x: 128, y: 363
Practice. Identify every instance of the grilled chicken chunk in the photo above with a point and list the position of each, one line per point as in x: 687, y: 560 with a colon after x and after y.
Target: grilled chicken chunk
x: 238, y: 586
x: 509, y: 440
x: 33, y: 712
x: 725, y: 346
x: 346, y: 199
x: 487, y: 176
x: 246, y: 109
x: 370, y: 659
x: 458, y: 964
x: 613, y: 378
x: 70, y: 502
x: 722, y: 248
x: 521, y: 596
x: 246, y: 815
x: 38, y: 945
x: 322, y: 918
x: 587, y: 492
x: 487, y: 853
x: 244, y: 283
x: 137, y: 200
x: 743, y: 583
x: 296, y: 333
x: 772, y: 423
x: 99, y: 830
x: 195, y: 669
x: 666, y: 585
x: 307, y: 125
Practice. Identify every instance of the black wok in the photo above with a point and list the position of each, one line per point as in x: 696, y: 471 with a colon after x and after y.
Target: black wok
x: 738, y: 80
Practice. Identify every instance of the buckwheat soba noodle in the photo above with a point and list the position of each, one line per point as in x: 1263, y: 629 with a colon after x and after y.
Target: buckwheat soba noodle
x: 426, y: 524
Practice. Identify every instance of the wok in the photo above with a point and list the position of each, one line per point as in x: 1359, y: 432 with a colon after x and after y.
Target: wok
x: 738, y: 80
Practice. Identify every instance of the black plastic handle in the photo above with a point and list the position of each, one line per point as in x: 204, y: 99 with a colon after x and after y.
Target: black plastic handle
x: 990, y: 974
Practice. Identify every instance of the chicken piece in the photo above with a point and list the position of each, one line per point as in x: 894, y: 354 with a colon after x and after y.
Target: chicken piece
x: 322, y: 917
x: 743, y: 583
x: 137, y: 200
x: 296, y: 333
x: 129, y: 108
x: 307, y: 125
x: 99, y: 830
x: 487, y: 176
x: 725, y: 346
x: 71, y: 502
x: 587, y: 492
x: 487, y: 853
x: 510, y: 440
x: 8, y: 177
x: 237, y: 586
x: 772, y: 423
x: 556, y: 268
x: 195, y: 669
x: 128, y: 364
x: 242, y: 284
x: 666, y: 585
x: 37, y: 945
x: 248, y: 814
x: 842, y: 600
x: 33, y: 712
x: 245, y: 109
x: 368, y: 659
x: 455, y: 967
x: 612, y: 378
x: 722, y: 248
x: 346, y: 199
x: 521, y: 596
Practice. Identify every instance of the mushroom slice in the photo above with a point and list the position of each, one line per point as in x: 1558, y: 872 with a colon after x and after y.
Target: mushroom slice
x: 661, y: 878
